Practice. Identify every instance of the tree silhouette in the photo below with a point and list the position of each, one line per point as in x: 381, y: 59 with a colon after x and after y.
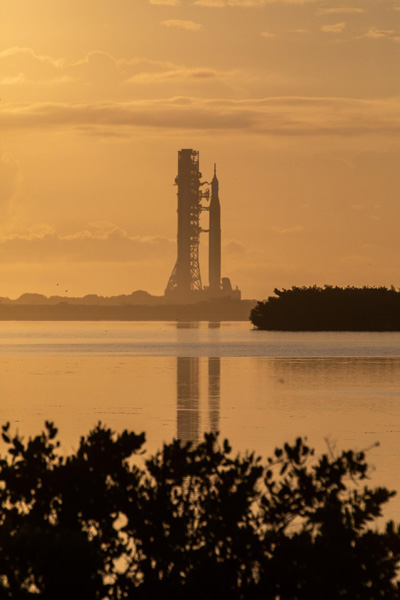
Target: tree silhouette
x: 189, y: 522
x: 329, y: 309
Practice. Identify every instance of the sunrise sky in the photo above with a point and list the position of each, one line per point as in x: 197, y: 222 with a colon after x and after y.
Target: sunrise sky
x: 297, y: 101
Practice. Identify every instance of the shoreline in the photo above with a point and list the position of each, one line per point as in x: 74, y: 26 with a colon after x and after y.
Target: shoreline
x: 207, y: 311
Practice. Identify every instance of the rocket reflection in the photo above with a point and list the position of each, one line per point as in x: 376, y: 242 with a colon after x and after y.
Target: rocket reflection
x: 214, y: 392
x: 189, y: 415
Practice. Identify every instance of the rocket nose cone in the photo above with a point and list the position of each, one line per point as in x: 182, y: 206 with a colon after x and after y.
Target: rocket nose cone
x: 215, y: 172
x: 214, y: 188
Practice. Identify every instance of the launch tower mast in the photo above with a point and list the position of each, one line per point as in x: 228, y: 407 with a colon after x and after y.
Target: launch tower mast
x: 185, y: 277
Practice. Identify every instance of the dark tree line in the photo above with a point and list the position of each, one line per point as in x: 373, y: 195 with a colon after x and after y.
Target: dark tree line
x: 329, y: 309
x: 189, y: 523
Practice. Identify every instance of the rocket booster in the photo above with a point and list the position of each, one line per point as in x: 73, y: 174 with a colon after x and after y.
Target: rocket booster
x: 214, y: 258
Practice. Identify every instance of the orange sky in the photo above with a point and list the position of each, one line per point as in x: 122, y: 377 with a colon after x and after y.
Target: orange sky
x: 296, y: 100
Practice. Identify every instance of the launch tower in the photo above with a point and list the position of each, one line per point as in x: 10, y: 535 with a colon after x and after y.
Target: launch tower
x: 185, y: 278
x: 185, y: 285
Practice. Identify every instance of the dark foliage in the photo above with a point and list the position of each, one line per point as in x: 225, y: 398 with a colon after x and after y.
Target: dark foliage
x: 329, y: 309
x: 189, y: 523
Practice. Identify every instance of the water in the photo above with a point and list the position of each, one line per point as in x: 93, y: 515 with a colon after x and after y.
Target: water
x: 259, y: 389
x: 198, y: 339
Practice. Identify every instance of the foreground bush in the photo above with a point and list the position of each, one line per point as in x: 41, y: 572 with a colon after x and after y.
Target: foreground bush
x: 189, y: 523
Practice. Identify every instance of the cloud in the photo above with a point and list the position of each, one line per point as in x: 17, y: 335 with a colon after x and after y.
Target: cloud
x: 275, y: 116
x: 108, y: 243
x: 248, y: 3
x: 336, y: 28
x: 17, y: 51
x: 165, y: 2
x: 182, y: 74
x: 179, y: 24
x: 21, y: 79
x: 268, y: 35
x: 20, y: 65
x: 98, y: 72
x: 377, y: 34
x: 102, y: 67
x: 98, y: 64
x: 343, y: 10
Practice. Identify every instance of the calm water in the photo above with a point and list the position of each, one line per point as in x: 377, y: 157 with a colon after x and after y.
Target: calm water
x: 259, y: 389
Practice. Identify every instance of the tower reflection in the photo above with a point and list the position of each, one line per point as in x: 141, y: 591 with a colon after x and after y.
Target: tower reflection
x: 214, y: 392
x: 188, y: 398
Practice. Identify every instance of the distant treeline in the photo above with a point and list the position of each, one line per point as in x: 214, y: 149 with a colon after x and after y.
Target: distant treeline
x: 138, y: 297
x: 224, y: 309
x: 329, y: 308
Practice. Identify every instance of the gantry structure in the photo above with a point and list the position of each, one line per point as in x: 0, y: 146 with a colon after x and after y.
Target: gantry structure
x: 185, y: 284
x: 186, y: 278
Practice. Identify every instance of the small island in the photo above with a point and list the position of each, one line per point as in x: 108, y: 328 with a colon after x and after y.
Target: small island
x: 329, y: 308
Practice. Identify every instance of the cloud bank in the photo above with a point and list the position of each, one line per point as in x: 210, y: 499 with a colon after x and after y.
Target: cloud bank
x: 94, y: 244
x: 375, y: 33
x: 340, y: 10
x: 334, y: 28
x: 276, y: 116
x: 248, y: 3
x: 179, y: 24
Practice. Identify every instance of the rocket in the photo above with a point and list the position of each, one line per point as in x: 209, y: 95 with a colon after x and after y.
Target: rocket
x: 214, y: 246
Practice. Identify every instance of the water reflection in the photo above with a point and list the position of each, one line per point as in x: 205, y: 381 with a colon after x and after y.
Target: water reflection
x: 214, y: 392
x: 188, y: 373
x: 333, y: 372
x: 188, y: 397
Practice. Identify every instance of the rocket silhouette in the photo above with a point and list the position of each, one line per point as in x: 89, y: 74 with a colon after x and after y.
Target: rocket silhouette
x: 214, y: 257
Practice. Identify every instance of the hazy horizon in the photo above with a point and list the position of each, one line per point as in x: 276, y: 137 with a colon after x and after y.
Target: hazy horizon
x: 296, y: 101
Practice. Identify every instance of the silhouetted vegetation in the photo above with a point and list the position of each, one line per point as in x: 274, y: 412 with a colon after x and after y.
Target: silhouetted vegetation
x: 189, y: 523
x: 329, y: 309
